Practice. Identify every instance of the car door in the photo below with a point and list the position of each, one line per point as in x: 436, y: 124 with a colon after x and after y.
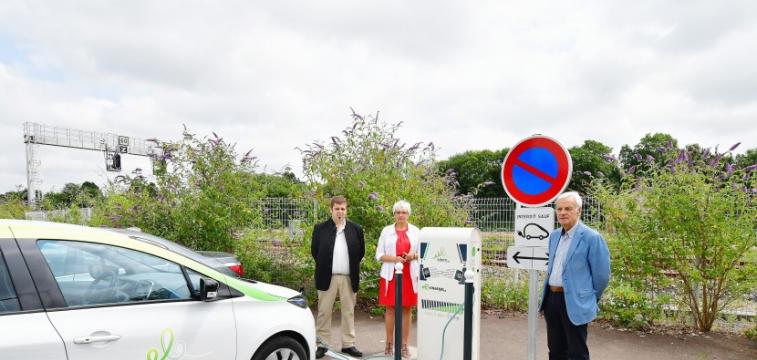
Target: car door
x: 25, y: 331
x: 119, y: 303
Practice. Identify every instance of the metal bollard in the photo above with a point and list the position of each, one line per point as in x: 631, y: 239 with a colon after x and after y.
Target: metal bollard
x: 468, y: 322
x: 398, y: 311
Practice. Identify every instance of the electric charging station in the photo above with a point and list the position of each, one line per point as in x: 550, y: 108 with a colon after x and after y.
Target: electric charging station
x: 446, y: 253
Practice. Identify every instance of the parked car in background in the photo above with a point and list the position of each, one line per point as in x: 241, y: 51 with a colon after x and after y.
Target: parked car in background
x: 224, y: 262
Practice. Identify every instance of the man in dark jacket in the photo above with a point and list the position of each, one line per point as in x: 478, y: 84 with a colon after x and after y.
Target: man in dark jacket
x: 337, y: 246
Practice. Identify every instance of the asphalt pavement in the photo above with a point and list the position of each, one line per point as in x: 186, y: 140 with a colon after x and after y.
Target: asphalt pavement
x: 505, y: 336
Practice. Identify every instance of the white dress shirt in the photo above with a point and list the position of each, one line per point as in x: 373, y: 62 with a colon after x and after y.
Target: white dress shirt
x: 555, y: 279
x: 341, y: 259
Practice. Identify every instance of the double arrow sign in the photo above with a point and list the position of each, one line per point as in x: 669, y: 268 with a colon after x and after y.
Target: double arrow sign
x: 527, y: 257
x: 518, y: 258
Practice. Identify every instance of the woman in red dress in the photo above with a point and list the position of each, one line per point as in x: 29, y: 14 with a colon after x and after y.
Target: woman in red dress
x: 398, y: 243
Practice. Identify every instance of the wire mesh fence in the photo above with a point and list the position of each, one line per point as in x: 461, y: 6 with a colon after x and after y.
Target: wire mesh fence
x: 495, y: 217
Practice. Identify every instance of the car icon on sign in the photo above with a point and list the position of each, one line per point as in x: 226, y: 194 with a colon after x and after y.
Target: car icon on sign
x: 533, y: 231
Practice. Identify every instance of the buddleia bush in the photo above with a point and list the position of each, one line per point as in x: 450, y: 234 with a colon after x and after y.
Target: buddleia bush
x: 373, y: 167
x: 683, y: 229
x: 203, y: 197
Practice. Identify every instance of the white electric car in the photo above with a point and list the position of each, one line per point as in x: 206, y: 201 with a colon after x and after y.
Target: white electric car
x: 80, y: 293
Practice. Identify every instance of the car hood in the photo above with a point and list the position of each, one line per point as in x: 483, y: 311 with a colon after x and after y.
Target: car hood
x: 261, y: 291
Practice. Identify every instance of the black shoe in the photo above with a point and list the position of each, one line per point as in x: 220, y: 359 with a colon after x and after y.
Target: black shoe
x: 352, y: 351
x: 320, y: 352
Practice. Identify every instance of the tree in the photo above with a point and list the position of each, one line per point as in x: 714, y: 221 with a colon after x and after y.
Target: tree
x: 73, y: 195
x: 686, y: 226
x: 747, y: 159
x: 651, y: 151
x: 91, y: 189
x: 592, y: 160
x: 476, y: 173
x: 280, y: 185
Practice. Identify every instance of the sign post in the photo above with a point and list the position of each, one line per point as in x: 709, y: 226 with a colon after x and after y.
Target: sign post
x: 534, y: 173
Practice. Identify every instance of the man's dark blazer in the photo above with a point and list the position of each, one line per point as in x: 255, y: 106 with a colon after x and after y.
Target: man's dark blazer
x: 322, y: 248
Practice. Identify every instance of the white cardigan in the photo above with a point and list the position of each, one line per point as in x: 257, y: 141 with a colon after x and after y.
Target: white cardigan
x: 387, y: 245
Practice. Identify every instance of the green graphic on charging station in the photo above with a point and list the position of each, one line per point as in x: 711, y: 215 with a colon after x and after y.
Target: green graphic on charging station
x: 166, y: 344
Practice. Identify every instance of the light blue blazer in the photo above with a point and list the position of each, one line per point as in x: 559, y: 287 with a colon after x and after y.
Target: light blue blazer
x: 586, y: 272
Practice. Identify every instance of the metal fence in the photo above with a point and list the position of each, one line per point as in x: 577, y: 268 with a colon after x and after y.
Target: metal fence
x: 495, y: 217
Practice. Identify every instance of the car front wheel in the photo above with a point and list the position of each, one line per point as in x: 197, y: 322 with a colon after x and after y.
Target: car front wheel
x: 281, y: 348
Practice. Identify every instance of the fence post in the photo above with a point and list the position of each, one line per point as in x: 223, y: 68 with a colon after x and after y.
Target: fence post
x: 398, y: 311
x: 315, y: 211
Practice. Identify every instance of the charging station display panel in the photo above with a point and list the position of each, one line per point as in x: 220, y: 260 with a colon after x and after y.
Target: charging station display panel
x: 446, y: 253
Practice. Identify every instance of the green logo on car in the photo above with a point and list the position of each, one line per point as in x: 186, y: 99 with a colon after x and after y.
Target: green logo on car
x: 166, y: 344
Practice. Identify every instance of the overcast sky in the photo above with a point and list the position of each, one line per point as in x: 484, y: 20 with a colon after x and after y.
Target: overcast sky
x: 467, y: 75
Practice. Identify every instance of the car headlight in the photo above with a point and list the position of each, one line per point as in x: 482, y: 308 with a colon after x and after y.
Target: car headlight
x: 298, y: 300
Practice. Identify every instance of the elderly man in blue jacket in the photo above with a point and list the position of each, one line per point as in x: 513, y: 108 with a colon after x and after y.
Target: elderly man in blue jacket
x: 578, y: 273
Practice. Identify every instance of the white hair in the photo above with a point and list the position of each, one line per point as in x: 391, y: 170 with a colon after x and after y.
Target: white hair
x: 571, y: 195
x: 401, y: 205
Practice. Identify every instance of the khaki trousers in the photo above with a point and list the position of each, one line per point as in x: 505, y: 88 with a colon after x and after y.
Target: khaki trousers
x: 340, y: 285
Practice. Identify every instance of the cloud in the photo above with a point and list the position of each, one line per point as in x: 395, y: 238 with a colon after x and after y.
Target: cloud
x: 276, y: 75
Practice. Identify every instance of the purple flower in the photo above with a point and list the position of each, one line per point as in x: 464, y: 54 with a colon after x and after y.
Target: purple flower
x: 609, y: 158
x: 632, y: 169
x: 373, y: 196
x: 729, y: 168
x: 734, y: 146
x: 379, y: 208
x: 637, y: 156
x: 681, y: 157
x: 650, y: 159
x: 587, y: 173
x: 715, y: 160
x: 751, y: 167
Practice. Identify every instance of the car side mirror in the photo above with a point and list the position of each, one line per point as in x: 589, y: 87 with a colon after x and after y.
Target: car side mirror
x: 208, y: 289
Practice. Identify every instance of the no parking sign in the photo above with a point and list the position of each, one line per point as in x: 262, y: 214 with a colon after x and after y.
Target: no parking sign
x: 536, y: 171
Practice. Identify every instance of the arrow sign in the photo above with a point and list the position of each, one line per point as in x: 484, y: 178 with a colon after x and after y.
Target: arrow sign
x: 517, y: 258
x: 527, y: 257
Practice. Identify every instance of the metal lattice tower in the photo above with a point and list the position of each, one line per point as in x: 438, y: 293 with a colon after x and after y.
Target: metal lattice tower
x: 107, y: 143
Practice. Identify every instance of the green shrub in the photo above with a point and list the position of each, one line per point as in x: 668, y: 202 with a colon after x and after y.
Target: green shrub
x: 202, y: 198
x: 13, y: 208
x: 505, y: 294
x: 686, y: 228
x: 751, y: 334
x: 371, y: 166
x: 629, y: 308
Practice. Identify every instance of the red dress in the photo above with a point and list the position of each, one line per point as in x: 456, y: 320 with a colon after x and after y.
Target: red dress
x: 409, y: 297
